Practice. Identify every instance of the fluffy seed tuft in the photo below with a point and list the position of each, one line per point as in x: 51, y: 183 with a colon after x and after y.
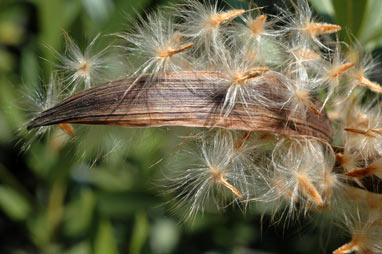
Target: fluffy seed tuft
x: 81, y: 67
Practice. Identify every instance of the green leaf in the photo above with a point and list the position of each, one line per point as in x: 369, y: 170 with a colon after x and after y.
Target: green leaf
x: 5, y: 130
x: 124, y: 204
x: 12, y: 24
x: 140, y: 232
x: 42, y: 160
x: 13, y: 203
x: 349, y: 15
x: 370, y: 34
x: 40, y: 230
x: 105, y: 242
x: 79, y: 214
x: 9, y: 100
x: 111, y: 180
x: 30, y: 66
x: 7, y: 61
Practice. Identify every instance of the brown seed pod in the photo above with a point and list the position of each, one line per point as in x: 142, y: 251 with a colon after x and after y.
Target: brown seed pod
x: 192, y: 99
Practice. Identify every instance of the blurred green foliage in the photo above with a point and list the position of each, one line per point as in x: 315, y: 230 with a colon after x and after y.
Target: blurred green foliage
x: 99, y: 194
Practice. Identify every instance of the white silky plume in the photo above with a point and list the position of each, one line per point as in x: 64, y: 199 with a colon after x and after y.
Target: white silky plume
x: 81, y: 68
x: 223, y: 173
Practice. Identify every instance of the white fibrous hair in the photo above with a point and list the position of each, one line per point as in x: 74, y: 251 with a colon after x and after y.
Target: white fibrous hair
x: 365, y: 231
x: 302, y: 173
x: 43, y: 98
x: 204, y: 24
x: 223, y: 173
x: 157, y: 46
x: 81, y: 67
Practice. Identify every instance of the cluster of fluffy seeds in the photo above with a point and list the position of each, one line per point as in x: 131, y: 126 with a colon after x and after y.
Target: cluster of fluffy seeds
x: 299, y: 175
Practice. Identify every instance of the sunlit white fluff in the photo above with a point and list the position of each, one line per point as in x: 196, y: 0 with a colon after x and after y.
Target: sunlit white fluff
x: 303, y: 56
x: 157, y: 46
x: 203, y: 24
x: 302, y: 175
x: 241, y: 81
x: 362, y: 142
x: 254, y: 34
x: 360, y: 75
x: 333, y: 73
x: 301, y: 26
x: 365, y: 233
x: 248, y: 159
x: 81, y: 67
x: 350, y: 161
x: 255, y: 26
x: 363, y: 131
x: 215, y: 179
x: 368, y: 201
x: 39, y: 100
x: 302, y: 80
x: 299, y: 94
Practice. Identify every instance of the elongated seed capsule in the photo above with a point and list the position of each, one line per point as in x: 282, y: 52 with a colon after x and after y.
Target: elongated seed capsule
x: 192, y: 99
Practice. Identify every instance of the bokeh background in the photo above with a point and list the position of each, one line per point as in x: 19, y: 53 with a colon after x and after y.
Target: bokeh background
x: 101, y: 191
